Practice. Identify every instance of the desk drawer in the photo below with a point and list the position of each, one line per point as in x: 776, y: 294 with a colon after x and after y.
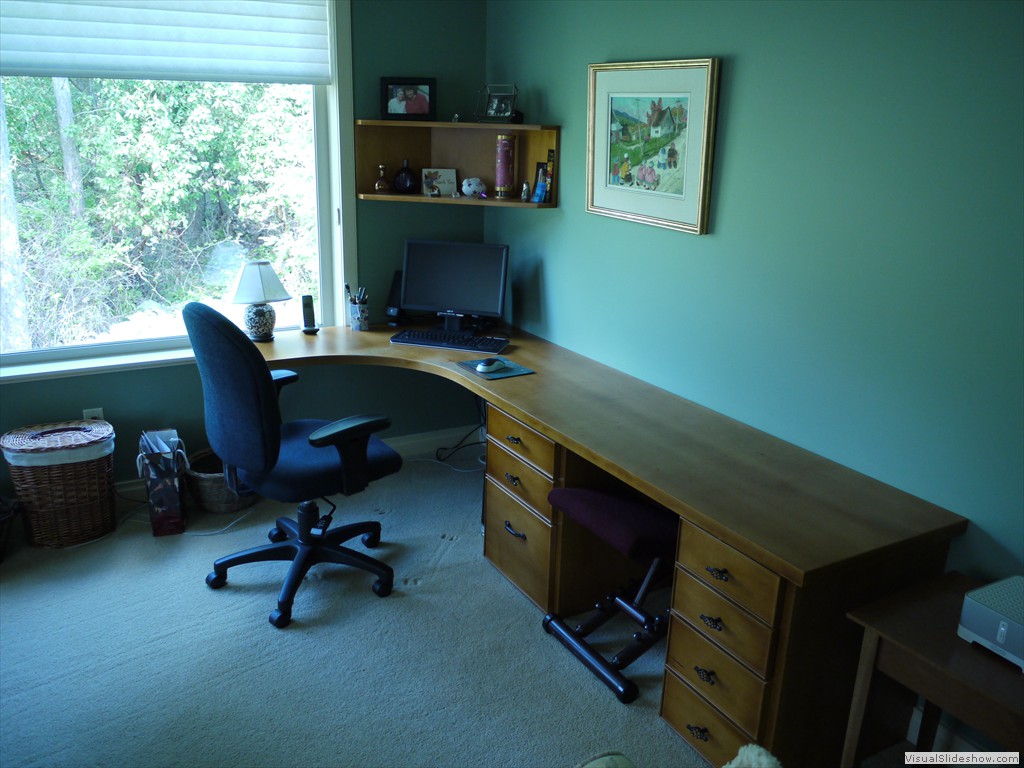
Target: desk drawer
x: 523, y: 441
x: 518, y: 543
x: 730, y: 572
x: 722, y: 680
x: 520, y: 479
x: 703, y: 726
x: 722, y: 622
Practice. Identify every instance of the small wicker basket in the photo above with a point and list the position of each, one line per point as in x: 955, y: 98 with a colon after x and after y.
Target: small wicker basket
x: 63, y: 473
x: 205, y: 479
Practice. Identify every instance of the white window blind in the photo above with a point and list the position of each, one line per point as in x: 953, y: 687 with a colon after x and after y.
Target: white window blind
x: 284, y: 41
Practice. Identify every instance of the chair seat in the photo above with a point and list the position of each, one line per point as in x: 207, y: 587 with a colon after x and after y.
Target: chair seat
x: 303, y: 471
x: 640, y: 530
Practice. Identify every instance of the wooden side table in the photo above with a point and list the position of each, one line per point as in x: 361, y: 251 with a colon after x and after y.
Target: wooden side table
x: 911, y: 637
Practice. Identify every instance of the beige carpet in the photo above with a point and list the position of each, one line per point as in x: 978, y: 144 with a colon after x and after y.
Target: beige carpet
x: 116, y: 653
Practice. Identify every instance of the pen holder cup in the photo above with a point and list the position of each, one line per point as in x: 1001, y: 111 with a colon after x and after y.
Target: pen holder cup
x: 359, y: 317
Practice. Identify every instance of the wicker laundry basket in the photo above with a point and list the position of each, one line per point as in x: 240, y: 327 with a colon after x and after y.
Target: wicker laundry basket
x: 204, y: 476
x: 63, y: 474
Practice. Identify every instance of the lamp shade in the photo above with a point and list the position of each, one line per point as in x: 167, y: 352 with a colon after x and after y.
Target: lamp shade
x: 258, y: 284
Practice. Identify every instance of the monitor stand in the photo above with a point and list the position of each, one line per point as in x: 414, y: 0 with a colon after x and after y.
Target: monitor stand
x: 453, y: 324
x: 467, y: 325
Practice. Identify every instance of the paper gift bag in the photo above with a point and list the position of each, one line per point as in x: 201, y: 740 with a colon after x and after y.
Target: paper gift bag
x: 162, y: 463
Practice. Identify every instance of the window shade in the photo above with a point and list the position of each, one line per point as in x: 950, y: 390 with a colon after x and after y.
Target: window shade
x: 283, y: 41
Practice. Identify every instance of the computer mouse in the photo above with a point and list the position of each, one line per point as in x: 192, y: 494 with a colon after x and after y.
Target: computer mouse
x: 490, y: 365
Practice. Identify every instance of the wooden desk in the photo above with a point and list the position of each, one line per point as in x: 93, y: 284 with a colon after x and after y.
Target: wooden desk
x: 806, y: 538
x: 911, y: 637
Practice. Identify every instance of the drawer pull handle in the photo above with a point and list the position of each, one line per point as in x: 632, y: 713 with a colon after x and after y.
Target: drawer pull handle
x: 699, y: 733
x: 513, y: 480
x: 706, y: 675
x: 512, y: 440
x: 513, y: 531
x: 719, y: 574
x: 712, y: 623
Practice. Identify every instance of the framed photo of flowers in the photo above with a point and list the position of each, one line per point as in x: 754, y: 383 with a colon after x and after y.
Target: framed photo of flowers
x: 650, y: 141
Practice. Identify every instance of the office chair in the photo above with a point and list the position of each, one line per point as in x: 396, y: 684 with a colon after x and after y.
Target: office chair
x: 643, y: 532
x: 295, y: 461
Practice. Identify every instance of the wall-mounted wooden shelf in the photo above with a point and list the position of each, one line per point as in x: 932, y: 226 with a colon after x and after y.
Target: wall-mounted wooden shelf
x: 469, y: 148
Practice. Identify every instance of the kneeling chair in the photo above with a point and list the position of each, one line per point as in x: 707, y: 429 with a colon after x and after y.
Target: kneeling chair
x: 295, y: 461
x: 646, y: 534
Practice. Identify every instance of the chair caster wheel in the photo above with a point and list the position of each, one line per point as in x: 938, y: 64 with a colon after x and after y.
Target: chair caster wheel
x: 382, y: 588
x: 276, y: 535
x: 370, y: 540
x: 279, y: 619
x: 215, y: 580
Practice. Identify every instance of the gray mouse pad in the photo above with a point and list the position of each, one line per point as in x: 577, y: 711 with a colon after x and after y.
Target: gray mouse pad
x: 510, y: 369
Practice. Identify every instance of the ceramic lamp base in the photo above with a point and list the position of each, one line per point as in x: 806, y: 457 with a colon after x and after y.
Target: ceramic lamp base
x: 259, y: 321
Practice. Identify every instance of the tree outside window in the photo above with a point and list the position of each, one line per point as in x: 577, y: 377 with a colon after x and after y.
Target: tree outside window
x: 122, y: 200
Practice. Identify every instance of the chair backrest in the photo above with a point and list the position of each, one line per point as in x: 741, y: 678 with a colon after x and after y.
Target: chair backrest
x: 243, y: 420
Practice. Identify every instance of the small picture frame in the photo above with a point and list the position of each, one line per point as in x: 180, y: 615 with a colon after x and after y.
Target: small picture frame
x: 497, y: 104
x: 408, y: 98
x: 439, y: 182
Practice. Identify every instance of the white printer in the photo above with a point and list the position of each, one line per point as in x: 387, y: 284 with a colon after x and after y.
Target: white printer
x: 993, y: 616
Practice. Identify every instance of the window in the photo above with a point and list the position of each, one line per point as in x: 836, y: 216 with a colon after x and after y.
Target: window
x: 126, y: 198
x: 133, y: 197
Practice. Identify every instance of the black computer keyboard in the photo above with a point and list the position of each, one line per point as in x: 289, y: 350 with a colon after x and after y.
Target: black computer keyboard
x: 418, y: 337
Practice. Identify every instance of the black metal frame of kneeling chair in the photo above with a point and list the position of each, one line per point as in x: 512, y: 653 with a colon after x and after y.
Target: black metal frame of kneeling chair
x: 644, y: 533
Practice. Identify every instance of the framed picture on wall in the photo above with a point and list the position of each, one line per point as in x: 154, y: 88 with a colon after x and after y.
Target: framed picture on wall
x: 408, y: 98
x: 650, y: 140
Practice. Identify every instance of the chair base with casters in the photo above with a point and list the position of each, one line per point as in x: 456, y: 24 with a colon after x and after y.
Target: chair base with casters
x: 646, y: 534
x: 295, y: 540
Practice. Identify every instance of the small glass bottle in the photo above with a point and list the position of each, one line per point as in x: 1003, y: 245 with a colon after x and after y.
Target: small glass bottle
x: 381, y: 187
x: 405, y: 180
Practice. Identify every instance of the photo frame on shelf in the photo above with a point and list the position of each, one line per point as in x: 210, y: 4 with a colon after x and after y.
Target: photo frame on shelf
x: 650, y: 141
x: 408, y: 98
x: 438, y: 182
x: 497, y: 104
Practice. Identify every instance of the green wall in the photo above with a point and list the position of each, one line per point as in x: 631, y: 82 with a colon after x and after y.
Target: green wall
x: 860, y: 292
x: 155, y: 398
x: 443, y: 39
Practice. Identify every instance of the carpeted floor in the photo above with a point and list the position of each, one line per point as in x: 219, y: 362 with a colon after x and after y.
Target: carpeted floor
x: 116, y: 653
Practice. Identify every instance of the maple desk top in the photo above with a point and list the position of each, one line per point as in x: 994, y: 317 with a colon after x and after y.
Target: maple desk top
x: 798, y: 513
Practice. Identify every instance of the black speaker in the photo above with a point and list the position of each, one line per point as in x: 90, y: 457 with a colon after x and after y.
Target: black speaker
x: 394, y: 308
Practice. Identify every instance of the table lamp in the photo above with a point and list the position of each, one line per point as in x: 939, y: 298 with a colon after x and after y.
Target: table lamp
x: 257, y: 285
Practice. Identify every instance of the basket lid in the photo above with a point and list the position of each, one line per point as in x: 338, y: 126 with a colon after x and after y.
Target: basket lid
x: 63, y: 435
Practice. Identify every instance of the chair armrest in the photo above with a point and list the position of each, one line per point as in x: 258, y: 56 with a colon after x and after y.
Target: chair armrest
x: 351, y: 437
x: 347, y: 430
x: 281, y: 377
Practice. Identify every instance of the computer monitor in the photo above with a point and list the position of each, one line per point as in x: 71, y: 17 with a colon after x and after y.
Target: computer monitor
x: 455, y: 280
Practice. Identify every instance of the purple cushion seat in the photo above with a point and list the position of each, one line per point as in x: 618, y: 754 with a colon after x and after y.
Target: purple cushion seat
x: 640, y: 530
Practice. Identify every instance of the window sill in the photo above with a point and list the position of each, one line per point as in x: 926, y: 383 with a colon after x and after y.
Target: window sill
x: 55, y: 369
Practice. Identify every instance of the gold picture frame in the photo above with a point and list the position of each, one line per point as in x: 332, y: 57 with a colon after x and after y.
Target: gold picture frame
x: 650, y: 141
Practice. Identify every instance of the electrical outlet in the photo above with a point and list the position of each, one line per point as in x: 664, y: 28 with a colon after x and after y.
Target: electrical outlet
x: 92, y: 413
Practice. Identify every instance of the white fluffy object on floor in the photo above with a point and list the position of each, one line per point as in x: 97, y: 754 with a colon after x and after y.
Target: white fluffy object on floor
x: 753, y: 756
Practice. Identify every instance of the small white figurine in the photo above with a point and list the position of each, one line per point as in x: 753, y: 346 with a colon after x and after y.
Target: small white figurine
x: 474, y: 187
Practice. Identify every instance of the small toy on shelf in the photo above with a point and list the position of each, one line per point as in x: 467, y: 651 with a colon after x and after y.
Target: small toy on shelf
x: 474, y: 188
